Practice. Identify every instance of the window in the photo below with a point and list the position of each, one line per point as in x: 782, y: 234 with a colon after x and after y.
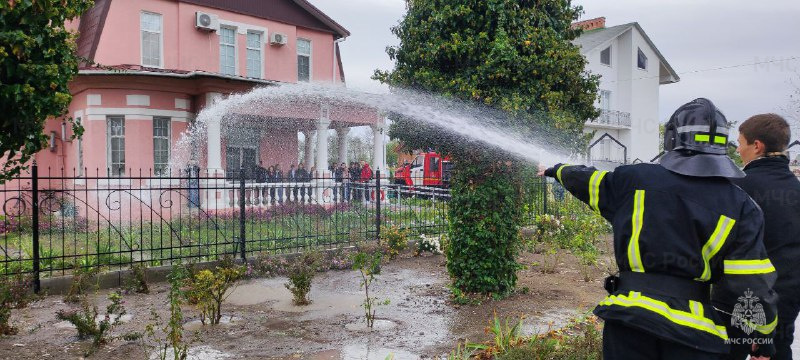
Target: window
x: 116, y: 145
x: 642, y: 60
x: 254, y: 55
x: 227, y: 50
x: 605, y: 99
x: 161, y: 144
x: 303, y: 60
x: 151, y: 39
x: 605, y: 56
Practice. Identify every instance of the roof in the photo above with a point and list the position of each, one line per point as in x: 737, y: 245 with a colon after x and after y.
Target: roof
x: 593, y: 39
x: 138, y: 70
x: 294, y: 12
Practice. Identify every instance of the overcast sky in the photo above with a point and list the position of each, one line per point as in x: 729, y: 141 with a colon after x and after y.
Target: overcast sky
x: 693, y: 35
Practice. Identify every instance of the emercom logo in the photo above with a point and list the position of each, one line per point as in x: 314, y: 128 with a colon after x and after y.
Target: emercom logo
x: 748, y: 313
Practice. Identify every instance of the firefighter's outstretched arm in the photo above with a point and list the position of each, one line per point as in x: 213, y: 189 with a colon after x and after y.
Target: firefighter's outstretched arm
x: 592, y: 186
x: 745, y: 289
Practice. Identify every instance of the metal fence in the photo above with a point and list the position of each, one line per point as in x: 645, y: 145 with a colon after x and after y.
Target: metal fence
x: 53, y: 222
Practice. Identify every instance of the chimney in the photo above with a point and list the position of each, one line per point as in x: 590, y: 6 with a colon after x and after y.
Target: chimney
x: 591, y: 24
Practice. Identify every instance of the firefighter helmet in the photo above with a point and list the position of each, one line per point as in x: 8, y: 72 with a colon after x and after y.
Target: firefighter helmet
x: 696, y: 141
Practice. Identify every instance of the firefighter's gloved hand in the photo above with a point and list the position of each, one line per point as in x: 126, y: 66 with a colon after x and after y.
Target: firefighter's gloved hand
x: 762, y: 351
x: 550, y: 172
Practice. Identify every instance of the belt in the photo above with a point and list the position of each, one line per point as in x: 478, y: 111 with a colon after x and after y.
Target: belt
x: 664, y: 285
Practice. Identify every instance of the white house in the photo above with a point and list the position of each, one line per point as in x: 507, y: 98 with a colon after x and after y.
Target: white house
x: 632, y: 70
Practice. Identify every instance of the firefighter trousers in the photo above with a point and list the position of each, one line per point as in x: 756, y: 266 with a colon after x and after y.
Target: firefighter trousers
x: 621, y: 342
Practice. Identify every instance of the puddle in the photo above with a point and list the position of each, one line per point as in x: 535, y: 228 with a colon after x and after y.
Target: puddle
x: 369, y: 352
x: 378, y: 325
x: 323, y: 302
x: 195, y: 325
x: 197, y: 353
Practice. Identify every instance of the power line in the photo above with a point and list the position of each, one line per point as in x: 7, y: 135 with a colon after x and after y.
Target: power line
x: 717, y: 68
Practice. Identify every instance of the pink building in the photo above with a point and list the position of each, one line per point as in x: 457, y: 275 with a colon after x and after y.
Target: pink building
x: 161, y: 61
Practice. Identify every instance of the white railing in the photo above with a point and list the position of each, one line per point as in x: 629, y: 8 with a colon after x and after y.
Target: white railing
x: 613, y: 117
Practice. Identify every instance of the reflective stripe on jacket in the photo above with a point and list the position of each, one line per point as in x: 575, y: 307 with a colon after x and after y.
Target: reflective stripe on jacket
x: 704, y: 229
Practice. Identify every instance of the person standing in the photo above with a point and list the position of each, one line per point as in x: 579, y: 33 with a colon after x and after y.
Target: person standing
x: 291, y: 176
x: 679, y: 227
x: 763, y: 140
x: 355, y: 176
x: 302, y: 177
x: 278, y: 179
x: 366, y: 176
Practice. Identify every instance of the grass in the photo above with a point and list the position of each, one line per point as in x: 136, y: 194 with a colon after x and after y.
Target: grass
x: 199, y: 237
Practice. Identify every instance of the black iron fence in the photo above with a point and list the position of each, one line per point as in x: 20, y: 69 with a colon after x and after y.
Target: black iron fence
x: 52, y: 223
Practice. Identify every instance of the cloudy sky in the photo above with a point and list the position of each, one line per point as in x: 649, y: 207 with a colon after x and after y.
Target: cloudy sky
x: 694, y: 36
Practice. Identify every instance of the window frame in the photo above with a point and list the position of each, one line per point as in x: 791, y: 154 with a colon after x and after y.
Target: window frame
x: 605, y: 105
x: 160, y: 39
x: 235, y: 49
x: 110, y: 151
x: 168, y: 137
x: 610, y: 56
x: 260, y: 50
x: 640, y: 54
x: 310, y: 59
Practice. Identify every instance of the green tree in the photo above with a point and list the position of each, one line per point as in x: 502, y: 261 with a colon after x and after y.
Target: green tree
x: 392, y: 153
x: 517, y: 58
x: 37, y: 61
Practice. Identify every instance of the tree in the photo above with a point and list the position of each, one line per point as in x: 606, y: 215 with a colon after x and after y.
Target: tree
x: 392, y: 153
x: 517, y: 58
x: 37, y: 60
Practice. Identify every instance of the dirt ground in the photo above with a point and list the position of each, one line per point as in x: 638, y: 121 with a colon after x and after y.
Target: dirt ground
x: 419, y: 322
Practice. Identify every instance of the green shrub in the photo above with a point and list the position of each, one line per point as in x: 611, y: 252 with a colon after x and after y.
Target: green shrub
x: 208, y: 289
x: 87, y: 325
x: 368, y: 264
x: 137, y: 282
x: 84, y: 280
x: 395, y: 239
x: 301, y: 273
x: 14, y: 294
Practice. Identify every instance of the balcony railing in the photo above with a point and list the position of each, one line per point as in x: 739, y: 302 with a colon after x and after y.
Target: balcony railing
x: 612, y: 117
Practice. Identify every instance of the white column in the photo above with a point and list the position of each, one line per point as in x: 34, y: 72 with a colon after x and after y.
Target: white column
x: 308, y: 157
x: 342, y: 136
x: 214, y: 138
x: 379, y: 149
x: 322, y: 145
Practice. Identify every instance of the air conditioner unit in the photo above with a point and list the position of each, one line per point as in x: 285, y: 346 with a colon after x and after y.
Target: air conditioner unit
x: 206, y: 21
x: 277, y: 39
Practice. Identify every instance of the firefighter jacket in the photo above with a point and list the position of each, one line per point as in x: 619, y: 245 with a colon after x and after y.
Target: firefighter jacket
x: 676, y: 235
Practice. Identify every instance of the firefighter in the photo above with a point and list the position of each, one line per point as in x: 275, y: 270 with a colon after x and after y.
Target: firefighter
x: 679, y: 226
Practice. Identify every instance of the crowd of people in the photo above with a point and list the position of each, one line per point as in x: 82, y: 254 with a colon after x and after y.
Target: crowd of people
x: 350, y: 181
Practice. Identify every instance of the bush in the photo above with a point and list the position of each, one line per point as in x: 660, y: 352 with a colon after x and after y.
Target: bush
x: 368, y: 264
x: 14, y: 294
x: 428, y: 244
x: 207, y: 290
x: 84, y: 279
x: 137, y: 282
x: 395, y: 239
x: 301, y: 273
x: 87, y: 325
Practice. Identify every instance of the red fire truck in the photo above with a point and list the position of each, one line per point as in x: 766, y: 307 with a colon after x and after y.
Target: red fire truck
x: 427, y: 169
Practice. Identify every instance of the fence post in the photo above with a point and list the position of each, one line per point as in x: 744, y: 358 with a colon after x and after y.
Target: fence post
x: 35, y: 225
x: 377, y: 205
x: 544, y: 194
x: 242, y: 232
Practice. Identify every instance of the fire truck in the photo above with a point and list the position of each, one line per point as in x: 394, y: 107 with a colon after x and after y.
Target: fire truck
x: 427, y: 169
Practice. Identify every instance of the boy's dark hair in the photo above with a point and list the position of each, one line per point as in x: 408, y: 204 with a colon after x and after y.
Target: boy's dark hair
x: 770, y: 129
